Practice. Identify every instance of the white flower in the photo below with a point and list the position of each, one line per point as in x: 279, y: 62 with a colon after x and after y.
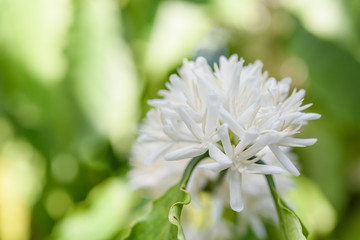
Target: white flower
x: 234, y: 112
x: 199, y: 100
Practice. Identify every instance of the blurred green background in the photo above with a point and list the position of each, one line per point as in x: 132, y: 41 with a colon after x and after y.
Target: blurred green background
x: 75, y: 76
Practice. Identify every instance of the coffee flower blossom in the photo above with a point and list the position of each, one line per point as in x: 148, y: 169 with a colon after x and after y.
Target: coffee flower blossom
x: 234, y: 112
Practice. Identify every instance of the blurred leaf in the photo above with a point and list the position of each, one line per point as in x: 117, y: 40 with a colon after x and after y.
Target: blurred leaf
x: 334, y: 75
x: 36, y: 36
x: 170, y: 39
x: 108, y: 208
x: 325, y: 162
x: 139, y: 20
x: 353, y: 8
x: 350, y: 229
x: 41, y: 113
x: 313, y: 207
x: 290, y: 224
x: 162, y: 223
x: 101, y: 71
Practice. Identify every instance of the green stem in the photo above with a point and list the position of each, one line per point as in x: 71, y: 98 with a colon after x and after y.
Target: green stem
x: 190, y: 167
x: 274, y: 194
x: 291, y: 226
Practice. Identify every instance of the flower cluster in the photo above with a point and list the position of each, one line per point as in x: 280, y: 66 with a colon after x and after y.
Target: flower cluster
x: 240, y: 116
x: 234, y: 112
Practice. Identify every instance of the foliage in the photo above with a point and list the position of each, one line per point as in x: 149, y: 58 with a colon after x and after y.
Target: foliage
x: 163, y: 222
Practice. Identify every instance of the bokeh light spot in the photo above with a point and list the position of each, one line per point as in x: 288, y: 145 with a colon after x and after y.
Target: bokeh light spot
x: 64, y: 168
x: 58, y: 202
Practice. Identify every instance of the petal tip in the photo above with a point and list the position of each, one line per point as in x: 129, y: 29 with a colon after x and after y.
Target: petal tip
x: 238, y: 208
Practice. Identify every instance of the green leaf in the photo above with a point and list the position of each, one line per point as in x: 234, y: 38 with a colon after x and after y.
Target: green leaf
x: 163, y: 222
x: 290, y: 224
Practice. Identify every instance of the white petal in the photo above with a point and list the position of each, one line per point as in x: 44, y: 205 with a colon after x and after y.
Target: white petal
x: 216, y: 154
x: 295, y: 98
x: 235, y: 80
x: 190, y: 123
x: 194, y: 115
x: 177, y: 135
x: 186, y: 152
x: 171, y: 132
x: 233, y: 125
x: 290, y: 117
x: 297, y: 142
x: 203, y: 82
x: 217, y: 208
x: 264, y: 140
x: 236, y: 202
x: 284, y: 86
x: 304, y: 107
x: 156, y: 154
x: 216, y: 167
x: 258, y: 226
x: 247, y: 116
x: 177, y: 82
x: 302, y: 120
x: 248, y: 138
x: 263, y: 169
x: 212, y: 113
x: 311, y: 116
x: 284, y: 160
x: 223, y: 132
x: 156, y: 102
x: 259, y: 144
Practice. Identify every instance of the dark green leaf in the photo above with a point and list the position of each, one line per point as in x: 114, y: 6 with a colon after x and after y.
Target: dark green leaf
x: 334, y: 75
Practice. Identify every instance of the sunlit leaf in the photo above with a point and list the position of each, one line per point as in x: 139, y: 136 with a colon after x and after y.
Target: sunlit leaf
x: 313, y: 207
x: 108, y: 207
x: 162, y: 223
x: 102, y: 73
